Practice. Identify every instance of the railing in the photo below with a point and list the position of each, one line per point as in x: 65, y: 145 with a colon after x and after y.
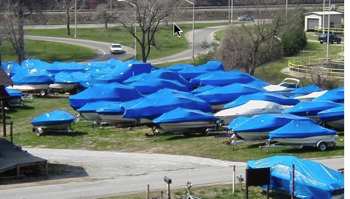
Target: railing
x: 339, y: 30
x: 321, y: 69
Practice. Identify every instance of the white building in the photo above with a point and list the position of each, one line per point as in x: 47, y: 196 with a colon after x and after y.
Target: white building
x: 314, y: 20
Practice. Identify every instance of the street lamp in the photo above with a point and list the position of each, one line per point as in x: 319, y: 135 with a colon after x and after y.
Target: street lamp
x: 135, y: 28
x: 193, y: 24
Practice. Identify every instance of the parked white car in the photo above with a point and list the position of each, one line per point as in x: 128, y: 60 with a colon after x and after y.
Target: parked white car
x: 116, y: 49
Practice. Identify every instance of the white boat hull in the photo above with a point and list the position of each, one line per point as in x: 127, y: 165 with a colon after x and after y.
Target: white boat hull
x: 218, y: 107
x: 184, y: 126
x: 91, y: 116
x: 31, y: 88
x: 63, y: 86
x: 308, y: 141
x: 54, y: 128
x: 253, y: 136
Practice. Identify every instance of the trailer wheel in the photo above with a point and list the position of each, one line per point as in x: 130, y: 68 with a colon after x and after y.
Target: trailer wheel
x: 322, y: 146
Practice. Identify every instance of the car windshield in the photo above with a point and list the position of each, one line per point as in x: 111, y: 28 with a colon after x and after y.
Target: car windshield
x: 116, y: 46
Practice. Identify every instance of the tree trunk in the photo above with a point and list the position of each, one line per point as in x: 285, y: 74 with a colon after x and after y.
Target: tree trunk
x: 68, y: 20
x: 143, y: 48
x: 20, y: 49
x: 106, y: 24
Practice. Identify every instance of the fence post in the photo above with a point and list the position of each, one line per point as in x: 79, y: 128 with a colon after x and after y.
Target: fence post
x: 233, y: 178
x: 147, y: 192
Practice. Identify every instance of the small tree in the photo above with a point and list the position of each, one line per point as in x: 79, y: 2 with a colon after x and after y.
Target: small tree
x: 148, y: 16
x: 13, y: 23
x: 103, y: 13
x: 68, y: 5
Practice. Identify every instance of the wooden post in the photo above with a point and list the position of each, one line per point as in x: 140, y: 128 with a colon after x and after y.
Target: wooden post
x: 147, y: 192
x: 246, y: 186
x: 3, y: 117
x: 168, y: 191
x: 293, y: 181
x: 233, y: 178
x: 11, y: 132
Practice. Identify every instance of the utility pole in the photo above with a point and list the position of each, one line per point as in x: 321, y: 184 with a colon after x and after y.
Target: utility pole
x: 287, y: 10
x: 75, y: 18
x: 232, y: 6
x: 329, y: 23
x: 323, y: 9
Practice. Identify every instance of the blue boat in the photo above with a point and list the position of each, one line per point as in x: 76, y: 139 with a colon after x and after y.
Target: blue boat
x: 113, y: 114
x: 259, y: 126
x: 305, y: 90
x: 220, y: 78
x: 333, y: 117
x: 106, y: 92
x: 313, y: 180
x: 32, y: 80
x: 70, y: 67
x: 271, y: 97
x: 15, y: 97
x: 169, y: 75
x: 310, y: 108
x: 152, y: 85
x: 335, y: 95
x: 202, y: 89
x: 179, y: 67
x: 163, y: 101
x: 219, y: 96
x: 237, y: 122
x: 89, y: 110
x: 185, y: 120
x: 55, y: 121
x: 191, y: 72
x: 212, y: 65
x: 304, y: 133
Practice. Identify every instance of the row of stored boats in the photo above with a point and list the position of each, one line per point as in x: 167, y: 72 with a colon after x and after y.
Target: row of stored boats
x: 186, y: 98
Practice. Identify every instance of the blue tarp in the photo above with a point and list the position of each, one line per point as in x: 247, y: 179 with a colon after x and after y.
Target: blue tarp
x: 300, y: 129
x: 72, y: 78
x: 225, y: 94
x: 184, y: 115
x: 94, y: 106
x: 178, y: 67
x: 11, y: 67
x: 57, y: 67
x: 163, y: 101
x: 123, y: 72
x: 151, y: 85
x: 220, y: 78
x: 264, y: 122
x: 305, y: 90
x: 331, y: 114
x: 14, y: 93
x: 55, y: 117
x: 202, y: 89
x: 237, y: 122
x: 265, y: 96
x: 313, y: 180
x: 107, y: 92
x: 212, y: 65
x: 310, y: 108
x: 31, y: 77
x: 335, y: 95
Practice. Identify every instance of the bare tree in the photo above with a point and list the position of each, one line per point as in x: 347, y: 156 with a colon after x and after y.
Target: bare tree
x: 148, y: 16
x: 14, y: 19
x: 68, y: 5
x: 103, y: 13
x: 248, y: 46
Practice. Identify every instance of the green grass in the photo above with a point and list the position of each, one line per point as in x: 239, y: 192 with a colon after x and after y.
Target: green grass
x: 209, y: 192
x: 313, y: 52
x: 134, y: 140
x: 49, y: 51
x: 166, y: 43
x: 219, y: 35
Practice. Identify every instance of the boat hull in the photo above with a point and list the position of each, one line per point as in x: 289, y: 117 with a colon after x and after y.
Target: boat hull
x: 63, y: 86
x: 336, y: 124
x: 114, y: 119
x: 31, y: 88
x: 91, y: 116
x: 253, y: 136
x: 186, y: 126
x: 307, y: 141
x: 52, y: 128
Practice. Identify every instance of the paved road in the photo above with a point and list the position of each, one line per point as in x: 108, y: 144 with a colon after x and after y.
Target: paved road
x: 102, y: 48
x: 115, y: 173
x: 201, y: 35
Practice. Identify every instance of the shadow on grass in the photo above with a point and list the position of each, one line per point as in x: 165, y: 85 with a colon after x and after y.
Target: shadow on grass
x: 55, y: 172
x: 68, y: 134
x: 309, y: 149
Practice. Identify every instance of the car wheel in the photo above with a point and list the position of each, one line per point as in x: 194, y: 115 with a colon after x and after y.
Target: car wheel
x: 321, y: 42
x: 322, y: 146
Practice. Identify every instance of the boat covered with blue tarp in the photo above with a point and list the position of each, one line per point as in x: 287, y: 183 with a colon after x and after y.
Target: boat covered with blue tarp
x: 335, y: 95
x: 56, y: 117
x: 313, y: 180
x: 106, y: 92
x: 333, y: 117
x: 151, y: 85
x: 258, y: 126
x: 305, y: 90
x: 220, y: 78
x: 225, y: 94
x: 310, y: 108
x: 265, y: 96
x: 164, y: 100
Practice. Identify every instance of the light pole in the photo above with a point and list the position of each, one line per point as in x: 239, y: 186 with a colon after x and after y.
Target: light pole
x: 232, y: 6
x: 323, y: 9
x: 286, y: 10
x: 193, y: 25
x: 135, y: 28
x: 329, y: 23
x: 75, y: 19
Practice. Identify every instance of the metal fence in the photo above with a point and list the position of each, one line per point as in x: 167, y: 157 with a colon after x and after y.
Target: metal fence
x: 330, y: 69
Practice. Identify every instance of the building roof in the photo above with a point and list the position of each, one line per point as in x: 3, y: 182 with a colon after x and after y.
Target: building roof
x: 325, y: 13
x: 5, y: 80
